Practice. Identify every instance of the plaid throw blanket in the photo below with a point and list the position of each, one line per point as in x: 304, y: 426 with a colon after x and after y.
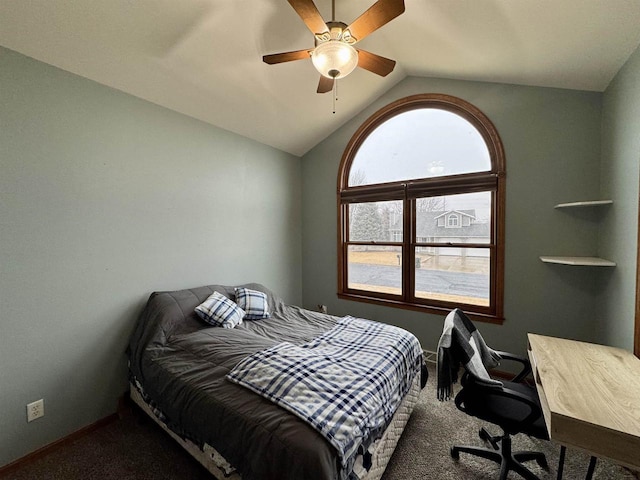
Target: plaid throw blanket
x: 346, y: 383
x: 461, y: 343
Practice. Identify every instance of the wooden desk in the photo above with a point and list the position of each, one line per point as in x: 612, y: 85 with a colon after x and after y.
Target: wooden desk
x: 590, y: 395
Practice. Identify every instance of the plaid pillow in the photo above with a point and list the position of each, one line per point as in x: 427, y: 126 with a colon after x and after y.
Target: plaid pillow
x: 219, y: 311
x: 254, y: 303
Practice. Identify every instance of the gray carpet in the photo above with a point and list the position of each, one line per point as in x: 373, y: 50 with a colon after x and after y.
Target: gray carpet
x: 128, y: 449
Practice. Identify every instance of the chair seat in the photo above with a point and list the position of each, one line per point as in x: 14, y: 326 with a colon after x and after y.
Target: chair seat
x: 503, y: 411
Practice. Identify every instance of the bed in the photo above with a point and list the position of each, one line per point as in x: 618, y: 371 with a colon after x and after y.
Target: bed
x: 180, y: 370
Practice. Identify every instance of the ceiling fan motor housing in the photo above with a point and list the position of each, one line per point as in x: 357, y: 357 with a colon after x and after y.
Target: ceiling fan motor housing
x: 334, y: 57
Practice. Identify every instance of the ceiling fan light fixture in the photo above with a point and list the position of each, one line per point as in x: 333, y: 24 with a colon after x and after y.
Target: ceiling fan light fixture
x: 334, y: 59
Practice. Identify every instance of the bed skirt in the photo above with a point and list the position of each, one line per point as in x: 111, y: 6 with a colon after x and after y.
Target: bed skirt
x: 381, y: 450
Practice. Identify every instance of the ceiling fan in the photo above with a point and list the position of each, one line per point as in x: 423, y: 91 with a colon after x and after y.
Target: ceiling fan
x: 334, y: 55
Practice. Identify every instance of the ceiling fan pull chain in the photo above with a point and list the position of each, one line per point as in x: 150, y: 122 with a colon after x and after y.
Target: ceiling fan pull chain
x: 335, y: 95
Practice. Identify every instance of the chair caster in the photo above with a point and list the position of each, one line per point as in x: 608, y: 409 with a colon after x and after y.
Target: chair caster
x: 454, y: 453
x: 542, y: 462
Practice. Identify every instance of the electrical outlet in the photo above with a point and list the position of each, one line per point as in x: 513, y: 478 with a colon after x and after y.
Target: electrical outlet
x: 35, y: 410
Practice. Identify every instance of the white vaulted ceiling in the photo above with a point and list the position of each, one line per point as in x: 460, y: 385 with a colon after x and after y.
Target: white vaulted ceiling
x: 203, y: 58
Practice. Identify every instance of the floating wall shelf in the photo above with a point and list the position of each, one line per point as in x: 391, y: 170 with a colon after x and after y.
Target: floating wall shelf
x: 592, y: 203
x: 579, y: 261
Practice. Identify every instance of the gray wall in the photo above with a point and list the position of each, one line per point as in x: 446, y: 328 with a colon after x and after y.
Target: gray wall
x: 552, y: 143
x: 104, y: 199
x: 620, y: 176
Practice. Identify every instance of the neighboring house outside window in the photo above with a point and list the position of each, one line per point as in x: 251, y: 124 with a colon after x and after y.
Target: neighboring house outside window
x: 431, y: 229
x: 421, y: 207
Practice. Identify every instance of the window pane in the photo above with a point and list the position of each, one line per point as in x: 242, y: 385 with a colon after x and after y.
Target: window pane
x: 375, y: 268
x: 459, y: 275
x: 421, y: 143
x: 375, y: 221
x: 464, y: 218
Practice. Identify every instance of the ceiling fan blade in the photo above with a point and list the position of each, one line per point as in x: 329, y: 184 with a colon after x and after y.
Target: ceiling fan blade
x: 310, y: 15
x: 286, y: 56
x: 380, y: 13
x: 375, y: 63
x: 325, y: 85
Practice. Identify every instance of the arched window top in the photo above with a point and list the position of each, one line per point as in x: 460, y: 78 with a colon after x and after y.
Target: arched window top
x: 421, y: 137
x: 419, y: 143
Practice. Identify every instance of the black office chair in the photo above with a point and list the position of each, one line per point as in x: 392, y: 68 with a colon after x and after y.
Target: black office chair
x: 513, y: 405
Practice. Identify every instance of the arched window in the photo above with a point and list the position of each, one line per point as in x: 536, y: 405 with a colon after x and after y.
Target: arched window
x: 421, y: 190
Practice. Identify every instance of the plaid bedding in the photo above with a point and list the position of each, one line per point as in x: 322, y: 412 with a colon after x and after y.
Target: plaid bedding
x: 346, y: 383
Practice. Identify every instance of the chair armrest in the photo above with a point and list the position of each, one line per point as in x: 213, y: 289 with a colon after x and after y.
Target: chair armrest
x: 526, y: 365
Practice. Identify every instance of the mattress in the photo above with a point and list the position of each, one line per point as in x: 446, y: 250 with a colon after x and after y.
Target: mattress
x: 180, y: 365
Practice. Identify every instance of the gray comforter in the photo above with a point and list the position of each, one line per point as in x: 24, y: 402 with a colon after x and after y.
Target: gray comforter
x: 181, y: 363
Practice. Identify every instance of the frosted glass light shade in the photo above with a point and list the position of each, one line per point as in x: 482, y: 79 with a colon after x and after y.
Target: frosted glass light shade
x: 334, y: 59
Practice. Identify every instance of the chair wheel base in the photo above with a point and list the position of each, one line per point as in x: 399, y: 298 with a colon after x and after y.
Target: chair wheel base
x: 503, y: 456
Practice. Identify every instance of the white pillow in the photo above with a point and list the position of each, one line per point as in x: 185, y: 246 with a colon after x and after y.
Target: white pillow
x: 253, y: 302
x: 219, y: 311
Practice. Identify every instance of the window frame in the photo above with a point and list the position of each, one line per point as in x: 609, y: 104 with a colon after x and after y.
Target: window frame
x: 408, y: 191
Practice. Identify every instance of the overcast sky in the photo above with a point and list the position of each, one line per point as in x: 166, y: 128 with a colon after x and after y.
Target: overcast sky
x: 421, y: 143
